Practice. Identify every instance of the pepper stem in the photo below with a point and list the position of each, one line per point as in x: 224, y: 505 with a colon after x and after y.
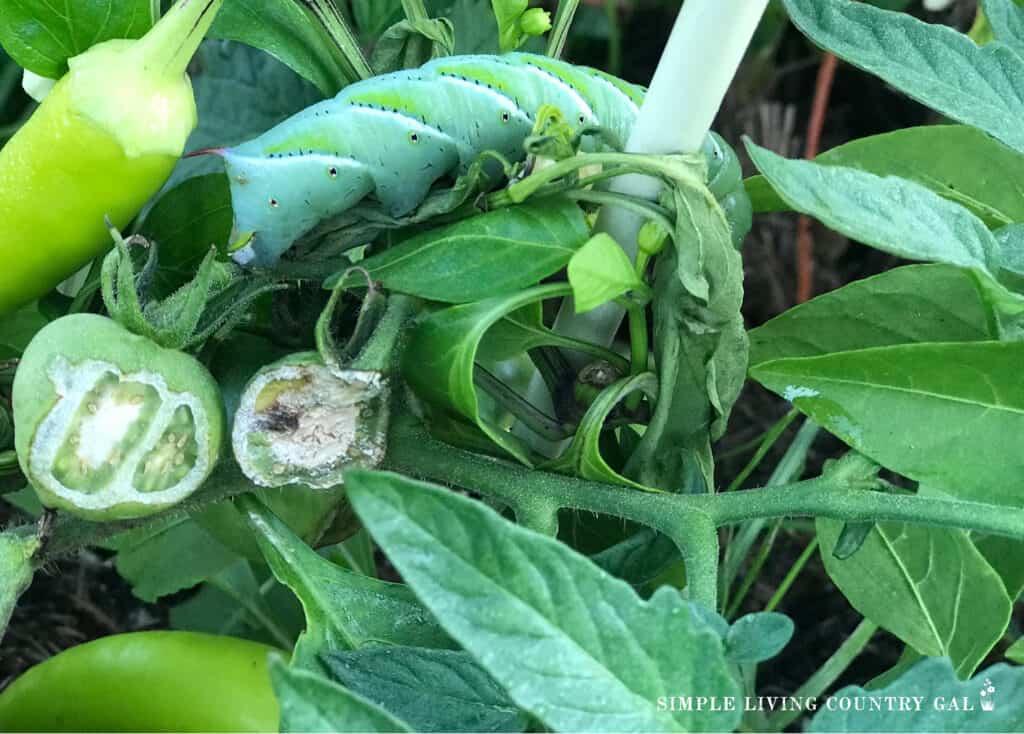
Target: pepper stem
x: 169, y: 45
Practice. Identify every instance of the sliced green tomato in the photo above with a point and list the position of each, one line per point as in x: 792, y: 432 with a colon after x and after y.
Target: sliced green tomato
x: 301, y: 422
x: 108, y: 424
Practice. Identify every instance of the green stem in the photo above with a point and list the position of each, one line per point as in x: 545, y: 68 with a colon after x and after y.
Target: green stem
x: 827, y: 674
x: 336, y: 27
x: 538, y: 516
x: 770, y: 438
x: 611, y: 11
x: 787, y: 582
x: 172, y: 42
x: 415, y: 10
x: 645, y: 209
x: 754, y: 571
x: 639, y: 354
x: 531, y: 416
x: 560, y: 32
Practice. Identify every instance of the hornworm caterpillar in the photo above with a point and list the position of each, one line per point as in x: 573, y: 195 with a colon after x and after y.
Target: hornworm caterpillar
x: 395, y: 135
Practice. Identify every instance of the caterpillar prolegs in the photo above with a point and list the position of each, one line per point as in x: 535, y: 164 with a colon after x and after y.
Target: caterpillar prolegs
x: 393, y: 136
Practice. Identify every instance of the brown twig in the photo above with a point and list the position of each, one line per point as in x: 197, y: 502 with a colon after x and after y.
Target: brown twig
x: 804, y: 239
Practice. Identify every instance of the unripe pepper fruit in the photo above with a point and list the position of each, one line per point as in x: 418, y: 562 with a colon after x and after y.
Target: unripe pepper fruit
x: 146, y: 681
x: 101, y: 144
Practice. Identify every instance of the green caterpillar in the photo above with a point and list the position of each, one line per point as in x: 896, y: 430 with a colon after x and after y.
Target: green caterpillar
x: 393, y: 136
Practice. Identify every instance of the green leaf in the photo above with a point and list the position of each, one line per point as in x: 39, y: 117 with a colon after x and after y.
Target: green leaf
x: 440, y: 357
x: 1006, y: 556
x: 934, y: 682
x: 184, y: 223
x: 934, y: 64
x: 575, y: 647
x: 18, y: 328
x: 167, y: 555
x: 912, y: 304
x: 410, y: 43
x: 16, y: 570
x: 1016, y: 651
x: 891, y: 214
x: 42, y: 35
x: 928, y: 586
x: 498, y: 252
x: 288, y: 33
x: 311, y: 703
x: 973, y: 170
x: 755, y: 638
x: 599, y: 272
x: 1006, y: 18
x: 945, y: 414
x: 344, y: 610
x: 432, y: 690
x: 700, y: 345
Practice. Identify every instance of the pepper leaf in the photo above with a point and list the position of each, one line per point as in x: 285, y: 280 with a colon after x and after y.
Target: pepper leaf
x: 599, y: 272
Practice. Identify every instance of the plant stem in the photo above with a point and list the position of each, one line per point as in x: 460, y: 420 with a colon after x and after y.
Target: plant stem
x: 787, y: 582
x: 611, y: 11
x: 415, y: 10
x: 770, y: 438
x: 755, y: 570
x: 334, y: 23
x: 560, y: 32
x: 827, y: 674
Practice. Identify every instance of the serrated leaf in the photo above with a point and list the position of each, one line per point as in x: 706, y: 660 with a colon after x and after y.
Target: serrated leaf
x: 934, y: 64
x: 891, y: 214
x: 912, y: 304
x: 431, y: 690
x: 973, y: 169
x: 575, y: 647
x: 311, y: 703
x: 600, y: 271
x: 344, y: 610
x: 933, y: 681
x: 959, y: 407
x: 928, y: 586
x: 755, y: 638
x: 498, y: 252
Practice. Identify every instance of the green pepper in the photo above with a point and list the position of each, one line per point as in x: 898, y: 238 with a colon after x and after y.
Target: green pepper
x: 101, y: 144
x: 108, y: 424
x: 146, y: 681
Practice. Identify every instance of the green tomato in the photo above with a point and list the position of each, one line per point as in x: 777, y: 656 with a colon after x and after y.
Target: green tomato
x: 146, y: 681
x: 100, y: 145
x: 109, y: 425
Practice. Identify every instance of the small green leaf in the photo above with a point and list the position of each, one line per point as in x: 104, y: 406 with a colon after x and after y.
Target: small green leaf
x: 494, y: 253
x: 311, y: 703
x: 410, y: 43
x: 908, y: 305
x: 928, y: 586
x: 432, y: 690
x: 344, y: 610
x: 972, y: 171
x: 755, y: 638
x: 891, y: 214
x: 934, y: 682
x: 934, y: 64
x: 18, y: 328
x: 575, y: 647
x: 41, y: 35
x: 599, y: 272
x: 960, y: 407
x: 1016, y: 652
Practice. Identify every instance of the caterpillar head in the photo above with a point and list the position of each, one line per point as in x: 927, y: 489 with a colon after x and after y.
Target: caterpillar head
x: 278, y: 197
